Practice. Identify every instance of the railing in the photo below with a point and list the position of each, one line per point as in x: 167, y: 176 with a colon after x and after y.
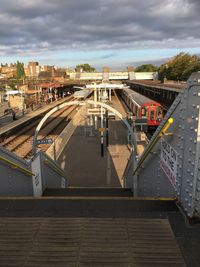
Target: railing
x: 148, y: 150
x: 15, y: 165
x: 56, y: 169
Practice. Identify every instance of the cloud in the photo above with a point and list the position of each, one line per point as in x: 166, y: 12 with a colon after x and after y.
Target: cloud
x: 36, y: 26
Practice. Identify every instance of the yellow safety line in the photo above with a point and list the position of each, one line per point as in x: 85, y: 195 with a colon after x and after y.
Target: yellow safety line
x: 17, y: 166
x: 88, y: 197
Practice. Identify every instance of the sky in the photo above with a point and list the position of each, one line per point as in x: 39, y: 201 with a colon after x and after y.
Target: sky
x: 113, y: 33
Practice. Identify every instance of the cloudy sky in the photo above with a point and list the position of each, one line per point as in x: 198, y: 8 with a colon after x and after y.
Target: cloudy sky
x: 115, y: 33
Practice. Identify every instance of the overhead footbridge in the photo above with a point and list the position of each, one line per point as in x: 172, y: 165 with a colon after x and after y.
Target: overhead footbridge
x: 151, y: 221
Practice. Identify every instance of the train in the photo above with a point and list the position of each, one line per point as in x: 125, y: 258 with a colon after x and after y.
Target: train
x: 146, y: 111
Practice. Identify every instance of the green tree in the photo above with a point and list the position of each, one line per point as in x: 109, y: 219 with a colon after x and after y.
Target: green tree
x: 146, y: 68
x: 180, y: 67
x: 85, y: 68
x: 20, y: 70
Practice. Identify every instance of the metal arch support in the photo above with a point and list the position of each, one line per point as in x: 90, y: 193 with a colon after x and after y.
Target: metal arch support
x: 71, y: 103
x: 78, y: 103
x: 118, y: 114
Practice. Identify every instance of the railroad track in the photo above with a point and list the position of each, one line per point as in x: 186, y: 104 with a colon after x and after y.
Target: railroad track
x: 21, y: 143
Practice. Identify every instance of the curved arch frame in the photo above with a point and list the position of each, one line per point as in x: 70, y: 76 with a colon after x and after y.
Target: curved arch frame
x: 82, y: 103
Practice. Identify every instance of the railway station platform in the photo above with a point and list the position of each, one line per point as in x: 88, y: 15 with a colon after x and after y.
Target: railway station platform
x: 81, y: 159
x: 8, y: 123
x: 96, y: 222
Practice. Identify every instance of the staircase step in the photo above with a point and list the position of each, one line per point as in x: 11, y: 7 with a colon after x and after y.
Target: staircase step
x: 88, y: 192
x: 69, y: 206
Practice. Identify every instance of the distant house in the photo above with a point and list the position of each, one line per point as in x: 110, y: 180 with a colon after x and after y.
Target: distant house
x: 59, y: 75
x: 45, y: 75
x: 54, y: 75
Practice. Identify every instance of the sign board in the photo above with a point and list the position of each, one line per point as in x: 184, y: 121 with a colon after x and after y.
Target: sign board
x: 63, y: 182
x: 102, y: 129
x: 44, y: 141
x: 37, y: 179
x: 96, y: 111
x: 168, y: 161
x: 141, y: 125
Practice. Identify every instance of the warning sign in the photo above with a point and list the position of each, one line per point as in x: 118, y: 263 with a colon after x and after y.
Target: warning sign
x: 168, y: 161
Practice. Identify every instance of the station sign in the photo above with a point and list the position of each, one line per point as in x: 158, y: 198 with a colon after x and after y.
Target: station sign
x: 102, y: 129
x: 169, y: 161
x: 44, y: 141
x: 96, y: 111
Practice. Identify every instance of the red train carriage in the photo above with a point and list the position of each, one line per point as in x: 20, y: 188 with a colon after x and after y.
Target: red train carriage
x: 143, y: 108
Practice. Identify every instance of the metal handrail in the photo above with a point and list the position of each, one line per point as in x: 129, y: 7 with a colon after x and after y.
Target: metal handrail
x: 56, y: 169
x: 29, y: 173
x: 147, y: 152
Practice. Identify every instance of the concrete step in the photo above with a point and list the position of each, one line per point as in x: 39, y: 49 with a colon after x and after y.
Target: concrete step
x: 71, y: 206
x: 88, y: 192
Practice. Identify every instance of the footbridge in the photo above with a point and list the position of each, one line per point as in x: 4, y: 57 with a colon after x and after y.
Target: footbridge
x: 148, y: 220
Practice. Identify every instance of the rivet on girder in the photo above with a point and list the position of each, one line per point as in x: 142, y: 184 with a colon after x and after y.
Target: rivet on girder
x: 189, y: 205
x: 190, y: 195
x: 191, y: 184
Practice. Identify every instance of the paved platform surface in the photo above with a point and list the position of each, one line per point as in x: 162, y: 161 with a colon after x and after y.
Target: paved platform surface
x: 81, y: 159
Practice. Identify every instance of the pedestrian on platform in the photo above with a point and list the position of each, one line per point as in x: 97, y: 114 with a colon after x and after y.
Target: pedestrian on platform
x: 14, y: 115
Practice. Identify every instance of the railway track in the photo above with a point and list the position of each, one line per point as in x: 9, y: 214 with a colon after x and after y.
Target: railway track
x: 21, y: 142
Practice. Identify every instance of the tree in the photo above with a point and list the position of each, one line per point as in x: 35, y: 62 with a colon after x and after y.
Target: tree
x: 180, y: 67
x: 20, y: 70
x: 146, y: 68
x: 85, y: 68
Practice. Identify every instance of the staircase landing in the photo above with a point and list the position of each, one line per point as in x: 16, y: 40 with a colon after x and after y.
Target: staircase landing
x: 87, y: 242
